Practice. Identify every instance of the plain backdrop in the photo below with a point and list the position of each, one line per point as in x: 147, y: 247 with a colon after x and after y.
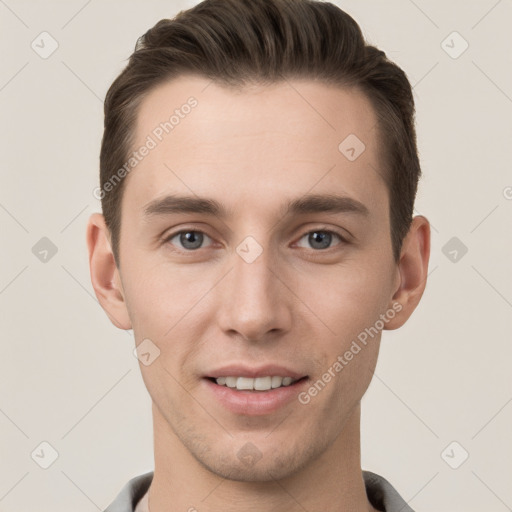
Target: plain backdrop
x: 68, y: 378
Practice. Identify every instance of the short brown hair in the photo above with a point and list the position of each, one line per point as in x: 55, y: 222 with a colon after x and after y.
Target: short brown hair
x: 238, y: 42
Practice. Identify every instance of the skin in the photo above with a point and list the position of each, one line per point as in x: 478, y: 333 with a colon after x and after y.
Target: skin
x: 298, y: 305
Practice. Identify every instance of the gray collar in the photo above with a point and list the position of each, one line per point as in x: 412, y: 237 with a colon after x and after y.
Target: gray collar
x: 382, y: 495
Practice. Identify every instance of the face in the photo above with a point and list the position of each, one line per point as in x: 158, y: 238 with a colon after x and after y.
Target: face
x: 270, y: 260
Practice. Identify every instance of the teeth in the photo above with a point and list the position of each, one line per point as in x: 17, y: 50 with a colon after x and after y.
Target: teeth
x: 258, y: 384
x: 263, y: 383
x: 230, y: 381
x: 244, y: 383
x: 277, y: 381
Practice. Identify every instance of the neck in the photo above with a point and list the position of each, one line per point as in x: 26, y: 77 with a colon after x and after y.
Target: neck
x: 333, y: 482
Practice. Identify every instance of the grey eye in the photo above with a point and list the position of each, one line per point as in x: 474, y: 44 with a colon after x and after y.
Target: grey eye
x: 320, y: 239
x: 190, y: 240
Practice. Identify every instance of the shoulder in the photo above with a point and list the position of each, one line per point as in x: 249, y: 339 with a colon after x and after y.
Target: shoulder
x: 131, y: 493
x: 382, y: 495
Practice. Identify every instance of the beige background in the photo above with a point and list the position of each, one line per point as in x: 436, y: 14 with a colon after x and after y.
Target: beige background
x: 69, y: 378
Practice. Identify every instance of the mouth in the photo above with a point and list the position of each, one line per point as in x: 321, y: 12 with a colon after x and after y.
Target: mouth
x: 254, y: 396
x: 246, y: 390
x: 255, y: 384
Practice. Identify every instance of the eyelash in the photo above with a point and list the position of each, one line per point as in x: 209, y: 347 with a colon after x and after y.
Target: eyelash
x: 343, y: 240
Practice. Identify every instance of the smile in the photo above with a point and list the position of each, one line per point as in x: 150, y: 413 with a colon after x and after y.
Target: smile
x: 255, y: 384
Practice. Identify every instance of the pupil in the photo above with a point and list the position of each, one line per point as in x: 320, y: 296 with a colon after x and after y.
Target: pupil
x: 322, y: 237
x: 191, y: 239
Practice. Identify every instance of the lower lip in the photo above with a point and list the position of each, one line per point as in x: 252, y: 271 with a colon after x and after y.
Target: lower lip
x: 255, y: 403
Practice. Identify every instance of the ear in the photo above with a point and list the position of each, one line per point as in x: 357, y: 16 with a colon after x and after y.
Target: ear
x: 105, y: 276
x: 413, y: 271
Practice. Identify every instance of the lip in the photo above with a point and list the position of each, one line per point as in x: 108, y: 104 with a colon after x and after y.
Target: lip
x: 268, y: 370
x: 254, y: 403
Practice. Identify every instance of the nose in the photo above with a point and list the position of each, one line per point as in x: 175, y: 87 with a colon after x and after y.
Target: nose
x: 253, y: 301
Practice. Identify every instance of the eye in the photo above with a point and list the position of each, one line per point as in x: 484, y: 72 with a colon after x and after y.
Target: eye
x: 189, y: 239
x: 321, y: 238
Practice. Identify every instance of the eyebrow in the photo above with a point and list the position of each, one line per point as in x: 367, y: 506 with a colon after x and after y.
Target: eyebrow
x: 312, y: 203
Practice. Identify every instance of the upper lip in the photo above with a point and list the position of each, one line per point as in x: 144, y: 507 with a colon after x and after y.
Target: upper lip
x: 241, y: 370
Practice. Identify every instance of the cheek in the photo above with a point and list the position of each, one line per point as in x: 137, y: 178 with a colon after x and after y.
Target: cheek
x: 160, y: 296
x: 170, y: 307
x: 348, y: 298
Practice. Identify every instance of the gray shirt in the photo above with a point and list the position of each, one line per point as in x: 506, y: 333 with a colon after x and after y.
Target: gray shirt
x: 382, y: 495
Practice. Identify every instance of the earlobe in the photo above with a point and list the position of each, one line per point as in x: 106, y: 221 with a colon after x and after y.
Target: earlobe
x: 105, y: 277
x: 413, y: 270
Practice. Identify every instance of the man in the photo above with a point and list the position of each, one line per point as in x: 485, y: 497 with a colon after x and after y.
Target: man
x: 258, y: 174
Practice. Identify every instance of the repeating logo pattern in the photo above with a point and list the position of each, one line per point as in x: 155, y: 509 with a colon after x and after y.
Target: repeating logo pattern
x: 458, y: 62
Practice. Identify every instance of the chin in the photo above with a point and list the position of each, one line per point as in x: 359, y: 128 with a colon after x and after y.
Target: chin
x: 258, y: 473
x: 248, y: 464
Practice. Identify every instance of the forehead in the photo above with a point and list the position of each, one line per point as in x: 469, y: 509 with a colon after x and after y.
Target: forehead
x: 273, y: 141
